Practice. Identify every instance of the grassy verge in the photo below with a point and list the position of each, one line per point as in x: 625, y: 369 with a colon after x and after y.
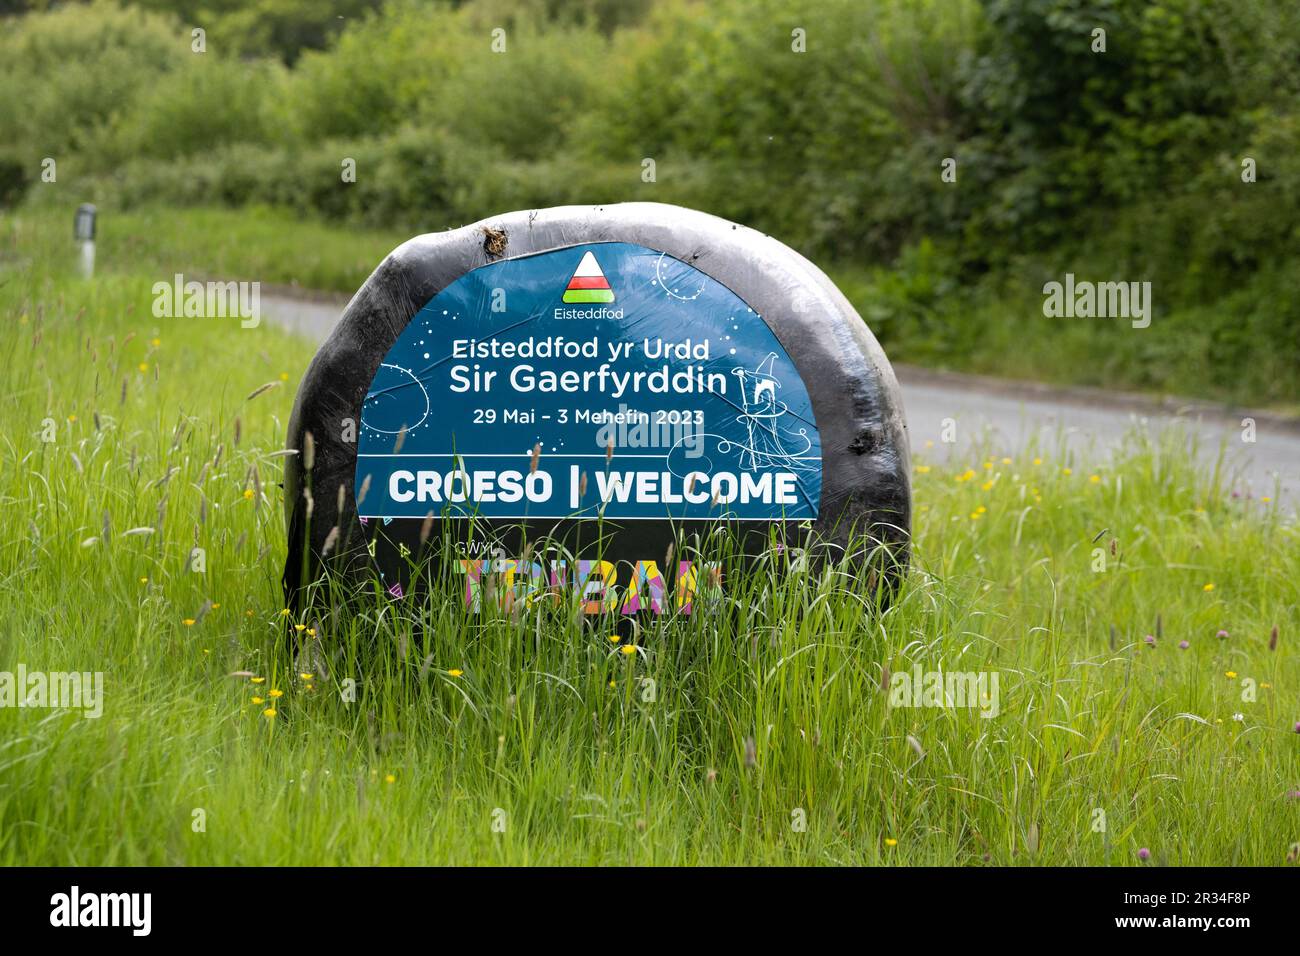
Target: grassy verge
x: 532, y: 738
x: 272, y: 246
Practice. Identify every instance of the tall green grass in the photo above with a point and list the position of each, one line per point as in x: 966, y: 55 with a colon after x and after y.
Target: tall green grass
x: 532, y: 737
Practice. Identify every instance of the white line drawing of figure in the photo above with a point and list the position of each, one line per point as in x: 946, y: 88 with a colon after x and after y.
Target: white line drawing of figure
x: 765, y: 446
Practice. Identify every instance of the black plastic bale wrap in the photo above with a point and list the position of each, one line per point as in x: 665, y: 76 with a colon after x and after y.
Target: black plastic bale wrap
x: 864, y: 489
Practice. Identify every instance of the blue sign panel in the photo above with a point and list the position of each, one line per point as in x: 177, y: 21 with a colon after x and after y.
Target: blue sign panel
x: 603, y: 378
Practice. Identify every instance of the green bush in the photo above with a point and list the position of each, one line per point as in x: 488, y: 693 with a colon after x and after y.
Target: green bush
x: 208, y: 103
x: 66, y: 75
x: 529, y: 101
x: 375, y: 75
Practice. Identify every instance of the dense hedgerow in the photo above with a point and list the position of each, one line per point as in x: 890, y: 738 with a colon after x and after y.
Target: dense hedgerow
x: 1127, y: 162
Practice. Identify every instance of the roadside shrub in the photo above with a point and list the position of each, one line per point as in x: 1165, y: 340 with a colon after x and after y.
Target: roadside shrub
x: 65, y: 75
x: 529, y: 101
x: 374, y: 76
x: 209, y: 103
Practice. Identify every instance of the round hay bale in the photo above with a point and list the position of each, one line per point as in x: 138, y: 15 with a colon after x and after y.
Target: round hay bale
x: 611, y: 379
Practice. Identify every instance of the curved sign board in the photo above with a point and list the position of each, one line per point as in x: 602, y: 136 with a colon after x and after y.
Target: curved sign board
x: 602, y: 379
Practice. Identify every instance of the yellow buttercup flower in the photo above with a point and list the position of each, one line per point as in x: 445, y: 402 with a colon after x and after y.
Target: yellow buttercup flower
x: 257, y: 680
x: 390, y: 779
x: 188, y: 622
x: 248, y: 493
x: 1094, y: 478
x: 1230, y: 674
x: 1038, y: 461
x: 890, y: 841
x: 305, y: 676
x: 628, y: 648
x: 277, y: 693
x: 259, y: 700
x: 269, y: 712
x: 923, y: 469
x: 1208, y: 587
x: 1067, y: 471
x: 455, y: 672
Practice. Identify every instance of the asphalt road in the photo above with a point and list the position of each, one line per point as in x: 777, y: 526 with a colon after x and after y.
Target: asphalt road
x: 982, y: 416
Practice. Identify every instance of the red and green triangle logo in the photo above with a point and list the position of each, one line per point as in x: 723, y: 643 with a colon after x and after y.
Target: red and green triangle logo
x: 588, y: 283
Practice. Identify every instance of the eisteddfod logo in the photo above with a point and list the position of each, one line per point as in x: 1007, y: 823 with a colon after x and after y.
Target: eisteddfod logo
x: 588, y: 284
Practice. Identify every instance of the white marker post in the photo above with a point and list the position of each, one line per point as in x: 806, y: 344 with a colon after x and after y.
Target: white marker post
x: 83, y: 230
